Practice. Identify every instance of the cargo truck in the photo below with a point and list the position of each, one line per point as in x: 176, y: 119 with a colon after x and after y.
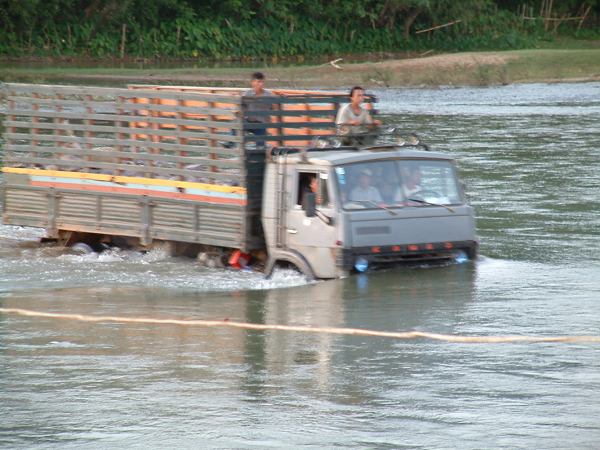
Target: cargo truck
x: 143, y: 166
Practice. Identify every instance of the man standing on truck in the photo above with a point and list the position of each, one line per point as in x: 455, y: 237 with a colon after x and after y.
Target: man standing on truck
x: 354, y: 121
x: 257, y: 81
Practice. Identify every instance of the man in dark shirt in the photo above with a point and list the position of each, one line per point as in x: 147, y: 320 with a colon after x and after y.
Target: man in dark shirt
x: 257, y: 82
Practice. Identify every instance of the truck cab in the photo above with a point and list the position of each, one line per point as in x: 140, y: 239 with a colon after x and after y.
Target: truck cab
x: 367, y: 208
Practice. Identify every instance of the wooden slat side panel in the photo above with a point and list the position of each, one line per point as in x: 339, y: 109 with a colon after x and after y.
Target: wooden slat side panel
x: 55, y: 90
x: 120, y: 131
x: 200, y: 173
x: 297, y: 116
x: 202, y: 223
x: 169, y: 219
x: 173, y: 216
x: 106, y: 138
x: 153, y: 119
x: 148, y: 149
x: 98, y: 214
x: 118, y: 211
x: 25, y: 207
x: 120, y: 117
x: 58, y: 155
x: 192, y: 129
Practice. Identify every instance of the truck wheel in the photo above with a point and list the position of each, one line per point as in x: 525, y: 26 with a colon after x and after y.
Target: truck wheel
x: 82, y: 248
x: 289, y: 259
x: 472, y: 252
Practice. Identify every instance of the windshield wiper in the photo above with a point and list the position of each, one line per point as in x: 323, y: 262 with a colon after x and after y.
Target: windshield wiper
x: 416, y: 200
x: 393, y: 213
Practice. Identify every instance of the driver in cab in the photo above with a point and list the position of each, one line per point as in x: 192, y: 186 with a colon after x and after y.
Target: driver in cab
x: 364, y: 191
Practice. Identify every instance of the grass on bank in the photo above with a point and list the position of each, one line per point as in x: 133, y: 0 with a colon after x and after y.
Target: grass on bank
x: 552, y: 65
x: 471, y: 68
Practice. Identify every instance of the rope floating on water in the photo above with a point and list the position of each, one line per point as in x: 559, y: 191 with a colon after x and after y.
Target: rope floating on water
x: 307, y: 329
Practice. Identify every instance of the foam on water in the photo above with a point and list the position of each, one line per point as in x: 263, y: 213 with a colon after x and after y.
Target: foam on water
x: 26, y: 266
x: 20, y: 233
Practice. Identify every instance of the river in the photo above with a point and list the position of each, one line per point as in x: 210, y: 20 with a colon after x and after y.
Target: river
x: 530, y: 157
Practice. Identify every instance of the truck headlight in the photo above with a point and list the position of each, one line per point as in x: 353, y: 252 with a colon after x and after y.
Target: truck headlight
x: 361, y: 264
x: 460, y: 256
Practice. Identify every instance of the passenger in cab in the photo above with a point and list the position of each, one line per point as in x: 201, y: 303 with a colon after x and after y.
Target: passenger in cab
x: 354, y: 121
x: 365, y: 192
x: 309, y: 184
x: 411, y: 179
x: 312, y: 187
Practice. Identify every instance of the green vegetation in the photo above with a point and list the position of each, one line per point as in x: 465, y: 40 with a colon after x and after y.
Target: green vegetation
x: 274, y: 29
x: 267, y: 32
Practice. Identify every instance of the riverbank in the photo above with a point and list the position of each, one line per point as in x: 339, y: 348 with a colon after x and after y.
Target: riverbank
x: 455, y: 69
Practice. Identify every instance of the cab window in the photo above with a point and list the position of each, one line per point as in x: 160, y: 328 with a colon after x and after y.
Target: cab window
x: 401, y: 183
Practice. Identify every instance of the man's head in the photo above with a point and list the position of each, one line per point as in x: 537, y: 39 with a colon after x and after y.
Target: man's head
x: 357, y: 95
x: 365, y: 178
x: 257, y: 81
x: 415, y: 175
x: 411, y: 175
x: 313, y: 184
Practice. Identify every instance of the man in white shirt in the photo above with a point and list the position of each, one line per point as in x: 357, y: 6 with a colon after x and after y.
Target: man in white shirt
x: 411, y: 185
x: 364, y: 192
x: 353, y: 119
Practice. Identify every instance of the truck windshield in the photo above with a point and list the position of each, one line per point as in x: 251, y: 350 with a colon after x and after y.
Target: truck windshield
x: 398, y: 183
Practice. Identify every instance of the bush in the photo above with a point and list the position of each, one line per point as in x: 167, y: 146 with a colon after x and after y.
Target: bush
x: 182, y: 32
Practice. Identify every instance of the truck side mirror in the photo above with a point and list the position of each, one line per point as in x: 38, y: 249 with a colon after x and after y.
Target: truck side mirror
x: 309, y: 204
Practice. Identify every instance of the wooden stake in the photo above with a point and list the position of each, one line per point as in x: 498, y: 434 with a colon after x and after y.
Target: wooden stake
x: 555, y: 19
x: 123, y: 38
x: 584, y: 16
x: 439, y: 26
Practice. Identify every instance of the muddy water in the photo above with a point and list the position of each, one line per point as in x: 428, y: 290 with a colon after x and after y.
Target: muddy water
x: 530, y: 157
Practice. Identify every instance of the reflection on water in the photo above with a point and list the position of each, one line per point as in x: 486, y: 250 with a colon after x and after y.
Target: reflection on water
x: 530, y: 160
x: 177, y: 366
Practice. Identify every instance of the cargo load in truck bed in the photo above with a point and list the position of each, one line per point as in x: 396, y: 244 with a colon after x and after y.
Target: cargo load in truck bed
x: 149, y: 162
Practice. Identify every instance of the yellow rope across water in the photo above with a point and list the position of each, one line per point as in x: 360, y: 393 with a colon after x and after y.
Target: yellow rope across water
x: 307, y: 329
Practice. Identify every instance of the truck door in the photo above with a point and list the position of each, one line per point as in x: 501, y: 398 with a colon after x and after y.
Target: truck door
x: 313, y: 237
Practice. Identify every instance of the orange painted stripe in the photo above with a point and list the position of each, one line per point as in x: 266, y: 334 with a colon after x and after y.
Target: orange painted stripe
x: 126, y: 179
x: 135, y: 191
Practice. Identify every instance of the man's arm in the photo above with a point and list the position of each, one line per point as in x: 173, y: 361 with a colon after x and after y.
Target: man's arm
x: 370, y: 120
x: 274, y: 107
x: 340, y: 118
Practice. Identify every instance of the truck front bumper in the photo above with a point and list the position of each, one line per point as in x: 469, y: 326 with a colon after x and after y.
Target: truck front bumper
x: 354, y: 259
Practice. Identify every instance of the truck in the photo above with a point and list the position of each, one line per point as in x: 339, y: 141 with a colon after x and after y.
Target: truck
x: 181, y: 167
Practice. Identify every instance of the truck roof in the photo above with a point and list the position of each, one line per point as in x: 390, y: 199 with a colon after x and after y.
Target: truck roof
x: 349, y: 156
